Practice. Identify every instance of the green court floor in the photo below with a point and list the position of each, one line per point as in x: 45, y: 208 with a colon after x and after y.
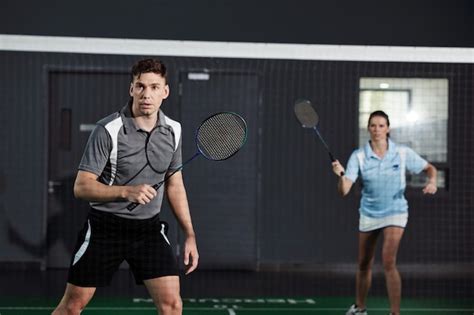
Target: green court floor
x: 244, y: 306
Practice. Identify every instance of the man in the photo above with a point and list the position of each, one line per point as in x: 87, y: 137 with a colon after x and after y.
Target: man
x: 126, y: 153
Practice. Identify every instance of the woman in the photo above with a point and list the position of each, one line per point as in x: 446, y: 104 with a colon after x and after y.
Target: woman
x: 381, y: 164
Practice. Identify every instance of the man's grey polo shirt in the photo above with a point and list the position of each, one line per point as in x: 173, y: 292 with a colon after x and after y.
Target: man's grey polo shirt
x: 120, y: 153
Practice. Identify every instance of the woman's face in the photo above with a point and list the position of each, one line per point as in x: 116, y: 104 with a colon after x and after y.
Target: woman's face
x: 378, y: 128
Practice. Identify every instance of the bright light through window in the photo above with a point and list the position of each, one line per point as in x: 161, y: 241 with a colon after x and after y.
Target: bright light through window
x: 412, y: 116
x: 418, y: 112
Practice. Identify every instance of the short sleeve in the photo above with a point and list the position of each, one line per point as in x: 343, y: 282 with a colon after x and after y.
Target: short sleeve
x: 97, y: 151
x: 352, y: 169
x: 414, y: 162
x: 177, y: 160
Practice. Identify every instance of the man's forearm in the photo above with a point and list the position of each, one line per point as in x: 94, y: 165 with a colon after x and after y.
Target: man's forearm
x: 92, y: 190
x: 179, y: 204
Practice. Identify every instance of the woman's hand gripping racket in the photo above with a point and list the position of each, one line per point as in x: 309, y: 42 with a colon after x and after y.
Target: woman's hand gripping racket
x: 219, y: 137
x: 308, y: 118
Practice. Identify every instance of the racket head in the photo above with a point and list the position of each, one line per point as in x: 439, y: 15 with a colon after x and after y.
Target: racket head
x: 306, y: 114
x: 221, y: 135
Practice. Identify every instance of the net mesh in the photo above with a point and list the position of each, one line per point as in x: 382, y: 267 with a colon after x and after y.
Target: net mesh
x: 269, y: 222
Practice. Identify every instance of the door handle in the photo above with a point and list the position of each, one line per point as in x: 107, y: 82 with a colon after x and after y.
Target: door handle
x: 52, y: 184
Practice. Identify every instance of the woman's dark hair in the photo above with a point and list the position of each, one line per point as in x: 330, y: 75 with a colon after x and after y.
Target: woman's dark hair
x: 379, y: 113
x: 149, y: 65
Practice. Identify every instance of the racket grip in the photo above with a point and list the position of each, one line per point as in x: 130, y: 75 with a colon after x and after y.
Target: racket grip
x: 331, y: 157
x: 132, y: 206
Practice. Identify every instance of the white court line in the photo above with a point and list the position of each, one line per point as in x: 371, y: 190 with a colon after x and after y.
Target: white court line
x: 232, y: 311
x: 339, y: 310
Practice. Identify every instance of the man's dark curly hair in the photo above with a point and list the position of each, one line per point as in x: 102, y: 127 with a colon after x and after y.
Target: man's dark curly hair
x: 149, y: 65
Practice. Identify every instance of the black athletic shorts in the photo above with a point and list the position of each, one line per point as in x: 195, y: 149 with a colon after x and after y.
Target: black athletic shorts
x: 106, y: 240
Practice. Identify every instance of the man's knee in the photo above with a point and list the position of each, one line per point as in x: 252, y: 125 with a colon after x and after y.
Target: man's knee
x: 74, y: 301
x: 71, y: 307
x: 171, y: 305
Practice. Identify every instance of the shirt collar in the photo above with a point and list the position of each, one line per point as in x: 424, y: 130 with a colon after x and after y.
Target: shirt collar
x: 129, y: 123
x: 392, y: 149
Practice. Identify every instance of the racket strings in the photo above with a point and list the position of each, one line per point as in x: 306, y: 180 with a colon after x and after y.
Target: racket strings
x: 221, y: 136
x: 306, y: 114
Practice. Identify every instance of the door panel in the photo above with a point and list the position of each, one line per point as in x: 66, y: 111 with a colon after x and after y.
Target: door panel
x: 222, y: 195
x: 77, y: 99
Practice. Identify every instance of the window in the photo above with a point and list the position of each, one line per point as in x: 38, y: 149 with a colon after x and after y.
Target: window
x: 418, y: 112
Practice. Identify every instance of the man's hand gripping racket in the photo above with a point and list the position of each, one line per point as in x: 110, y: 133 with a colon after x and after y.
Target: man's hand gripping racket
x: 219, y: 137
x: 308, y: 118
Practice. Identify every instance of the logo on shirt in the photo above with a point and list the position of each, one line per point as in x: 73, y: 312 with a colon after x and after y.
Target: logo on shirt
x: 395, y: 167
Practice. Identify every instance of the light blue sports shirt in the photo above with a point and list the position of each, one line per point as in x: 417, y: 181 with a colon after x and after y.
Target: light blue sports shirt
x: 383, y: 179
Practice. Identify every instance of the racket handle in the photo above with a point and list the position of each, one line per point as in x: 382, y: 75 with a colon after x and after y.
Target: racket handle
x: 333, y: 160
x: 331, y: 157
x: 157, y: 186
x: 132, y: 206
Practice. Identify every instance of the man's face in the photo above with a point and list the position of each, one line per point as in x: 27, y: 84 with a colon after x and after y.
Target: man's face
x: 148, y: 91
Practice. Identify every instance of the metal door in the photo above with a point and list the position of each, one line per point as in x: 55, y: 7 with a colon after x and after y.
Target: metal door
x: 222, y: 195
x: 77, y: 99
